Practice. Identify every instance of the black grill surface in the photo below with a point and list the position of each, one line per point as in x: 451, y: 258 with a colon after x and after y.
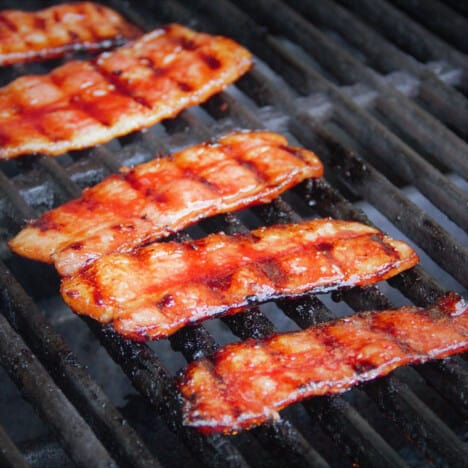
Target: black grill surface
x: 379, y: 90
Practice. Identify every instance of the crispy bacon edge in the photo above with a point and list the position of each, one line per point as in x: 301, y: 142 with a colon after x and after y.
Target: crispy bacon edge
x: 219, y: 393
x: 118, y: 31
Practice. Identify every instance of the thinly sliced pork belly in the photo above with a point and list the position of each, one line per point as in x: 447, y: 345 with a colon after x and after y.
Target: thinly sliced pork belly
x: 26, y: 36
x: 162, y: 196
x: 83, y: 103
x: 155, y: 290
x: 245, y: 384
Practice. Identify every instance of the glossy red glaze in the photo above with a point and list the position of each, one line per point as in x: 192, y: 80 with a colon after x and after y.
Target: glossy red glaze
x: 245, y: 384
x: 83, y: 103
x: 27, y: 36
x: 153, y: 291
x: 162, y: 196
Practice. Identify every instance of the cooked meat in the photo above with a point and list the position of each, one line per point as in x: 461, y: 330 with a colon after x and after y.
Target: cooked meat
x: 155, y: 290
x: 165, y: 195
x: 83, y: 103
x: 52, y: 32
x: 245, y: 384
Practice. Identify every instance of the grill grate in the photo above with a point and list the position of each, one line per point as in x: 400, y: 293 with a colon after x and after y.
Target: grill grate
x: 379, y: 93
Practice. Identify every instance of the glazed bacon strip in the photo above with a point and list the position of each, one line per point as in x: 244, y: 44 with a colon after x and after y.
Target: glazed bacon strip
x: 55, y: 31
x: 165, y: 195
x: 245, y: 384
x: 83, y: 103
x: 155, y: 290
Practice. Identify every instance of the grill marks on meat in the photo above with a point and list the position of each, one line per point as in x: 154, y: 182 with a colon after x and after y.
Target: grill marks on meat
x: 153, y: 291
x: 52, y: 32
x: 245, y: 384
x: 83, y: 103
x: 165, y: 195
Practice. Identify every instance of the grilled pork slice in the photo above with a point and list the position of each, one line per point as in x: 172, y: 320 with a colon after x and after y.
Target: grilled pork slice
x: 83, y: 103
x: 155, y: 290
x: 245, y: 384
x: 52, y: 32
x: 165, y: 195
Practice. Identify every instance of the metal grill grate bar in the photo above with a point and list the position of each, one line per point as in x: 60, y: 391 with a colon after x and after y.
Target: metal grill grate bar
x: 141, y: 366
x: 10, y: 456
x: 363, y: 434
x: 418, y: 421
x: 438, y: 18
x: 37, y: 386
x: 365, y: 123
x: 363, y: 180
x: 369, y: 131
x: 54, y: 353
x: 443, y: 101
x: 195, y: 342
x: 431, y: 288
x: 409, y: 35
x: 372, y: 299
x: 153, y: 381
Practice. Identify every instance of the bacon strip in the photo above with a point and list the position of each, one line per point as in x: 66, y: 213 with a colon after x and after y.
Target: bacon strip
x: 52, y: 32
x: 153, y: 291
x: 165, y: 195
x: 245, y: 384
x: 83, y: 103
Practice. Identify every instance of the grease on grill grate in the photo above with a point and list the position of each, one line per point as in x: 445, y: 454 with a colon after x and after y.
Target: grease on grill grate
x: 380, y: 94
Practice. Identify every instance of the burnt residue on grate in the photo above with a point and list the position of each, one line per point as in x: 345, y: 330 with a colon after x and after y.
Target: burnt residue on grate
x: 379, y: 91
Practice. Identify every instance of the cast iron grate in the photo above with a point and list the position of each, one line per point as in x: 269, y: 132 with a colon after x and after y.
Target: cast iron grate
x: 379, y: 92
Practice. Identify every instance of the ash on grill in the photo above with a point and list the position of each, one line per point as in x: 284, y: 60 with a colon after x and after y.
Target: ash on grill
x: 379, y: 91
